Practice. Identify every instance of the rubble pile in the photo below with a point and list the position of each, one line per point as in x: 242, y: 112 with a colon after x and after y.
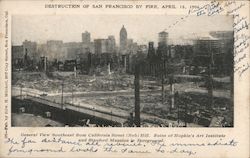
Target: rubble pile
x: 79, y: 83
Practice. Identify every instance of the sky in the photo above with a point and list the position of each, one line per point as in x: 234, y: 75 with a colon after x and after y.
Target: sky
x: 141, y: 28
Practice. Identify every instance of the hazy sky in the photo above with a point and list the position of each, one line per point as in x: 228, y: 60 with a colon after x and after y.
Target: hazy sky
x: 142, y: 28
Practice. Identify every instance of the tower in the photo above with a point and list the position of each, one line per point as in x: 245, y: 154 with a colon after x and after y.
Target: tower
x: 86, y: 37
x: 163, y: 38
x: 123, y: 39
x: 151, y: 51
x: 111, y: 44
x: 162, y: 45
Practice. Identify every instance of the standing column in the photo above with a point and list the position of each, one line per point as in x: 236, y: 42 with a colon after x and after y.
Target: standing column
x: 125, y: 64
x: 109, y: 72
x: 171, y: 82
x: 176, y: 95
x: 210, y: 87
x: 62, y: 97
x: 231, y: 106
x: 172, y: 95
x: 210, y: 79
x: 162, y: 82
x: 75, y: 72
x: 45, y: 64
x: 137, y: 96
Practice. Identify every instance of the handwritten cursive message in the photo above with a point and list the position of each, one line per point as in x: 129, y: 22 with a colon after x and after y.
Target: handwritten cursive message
x: 183, y: 145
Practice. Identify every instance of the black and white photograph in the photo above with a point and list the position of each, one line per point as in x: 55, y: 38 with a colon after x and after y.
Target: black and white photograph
x: 116, y: 70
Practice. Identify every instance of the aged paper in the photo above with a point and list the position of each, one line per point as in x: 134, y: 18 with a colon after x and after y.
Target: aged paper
x: 124, y: 78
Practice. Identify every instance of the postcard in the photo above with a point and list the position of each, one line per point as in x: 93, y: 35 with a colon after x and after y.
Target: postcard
x: 124, y: 78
